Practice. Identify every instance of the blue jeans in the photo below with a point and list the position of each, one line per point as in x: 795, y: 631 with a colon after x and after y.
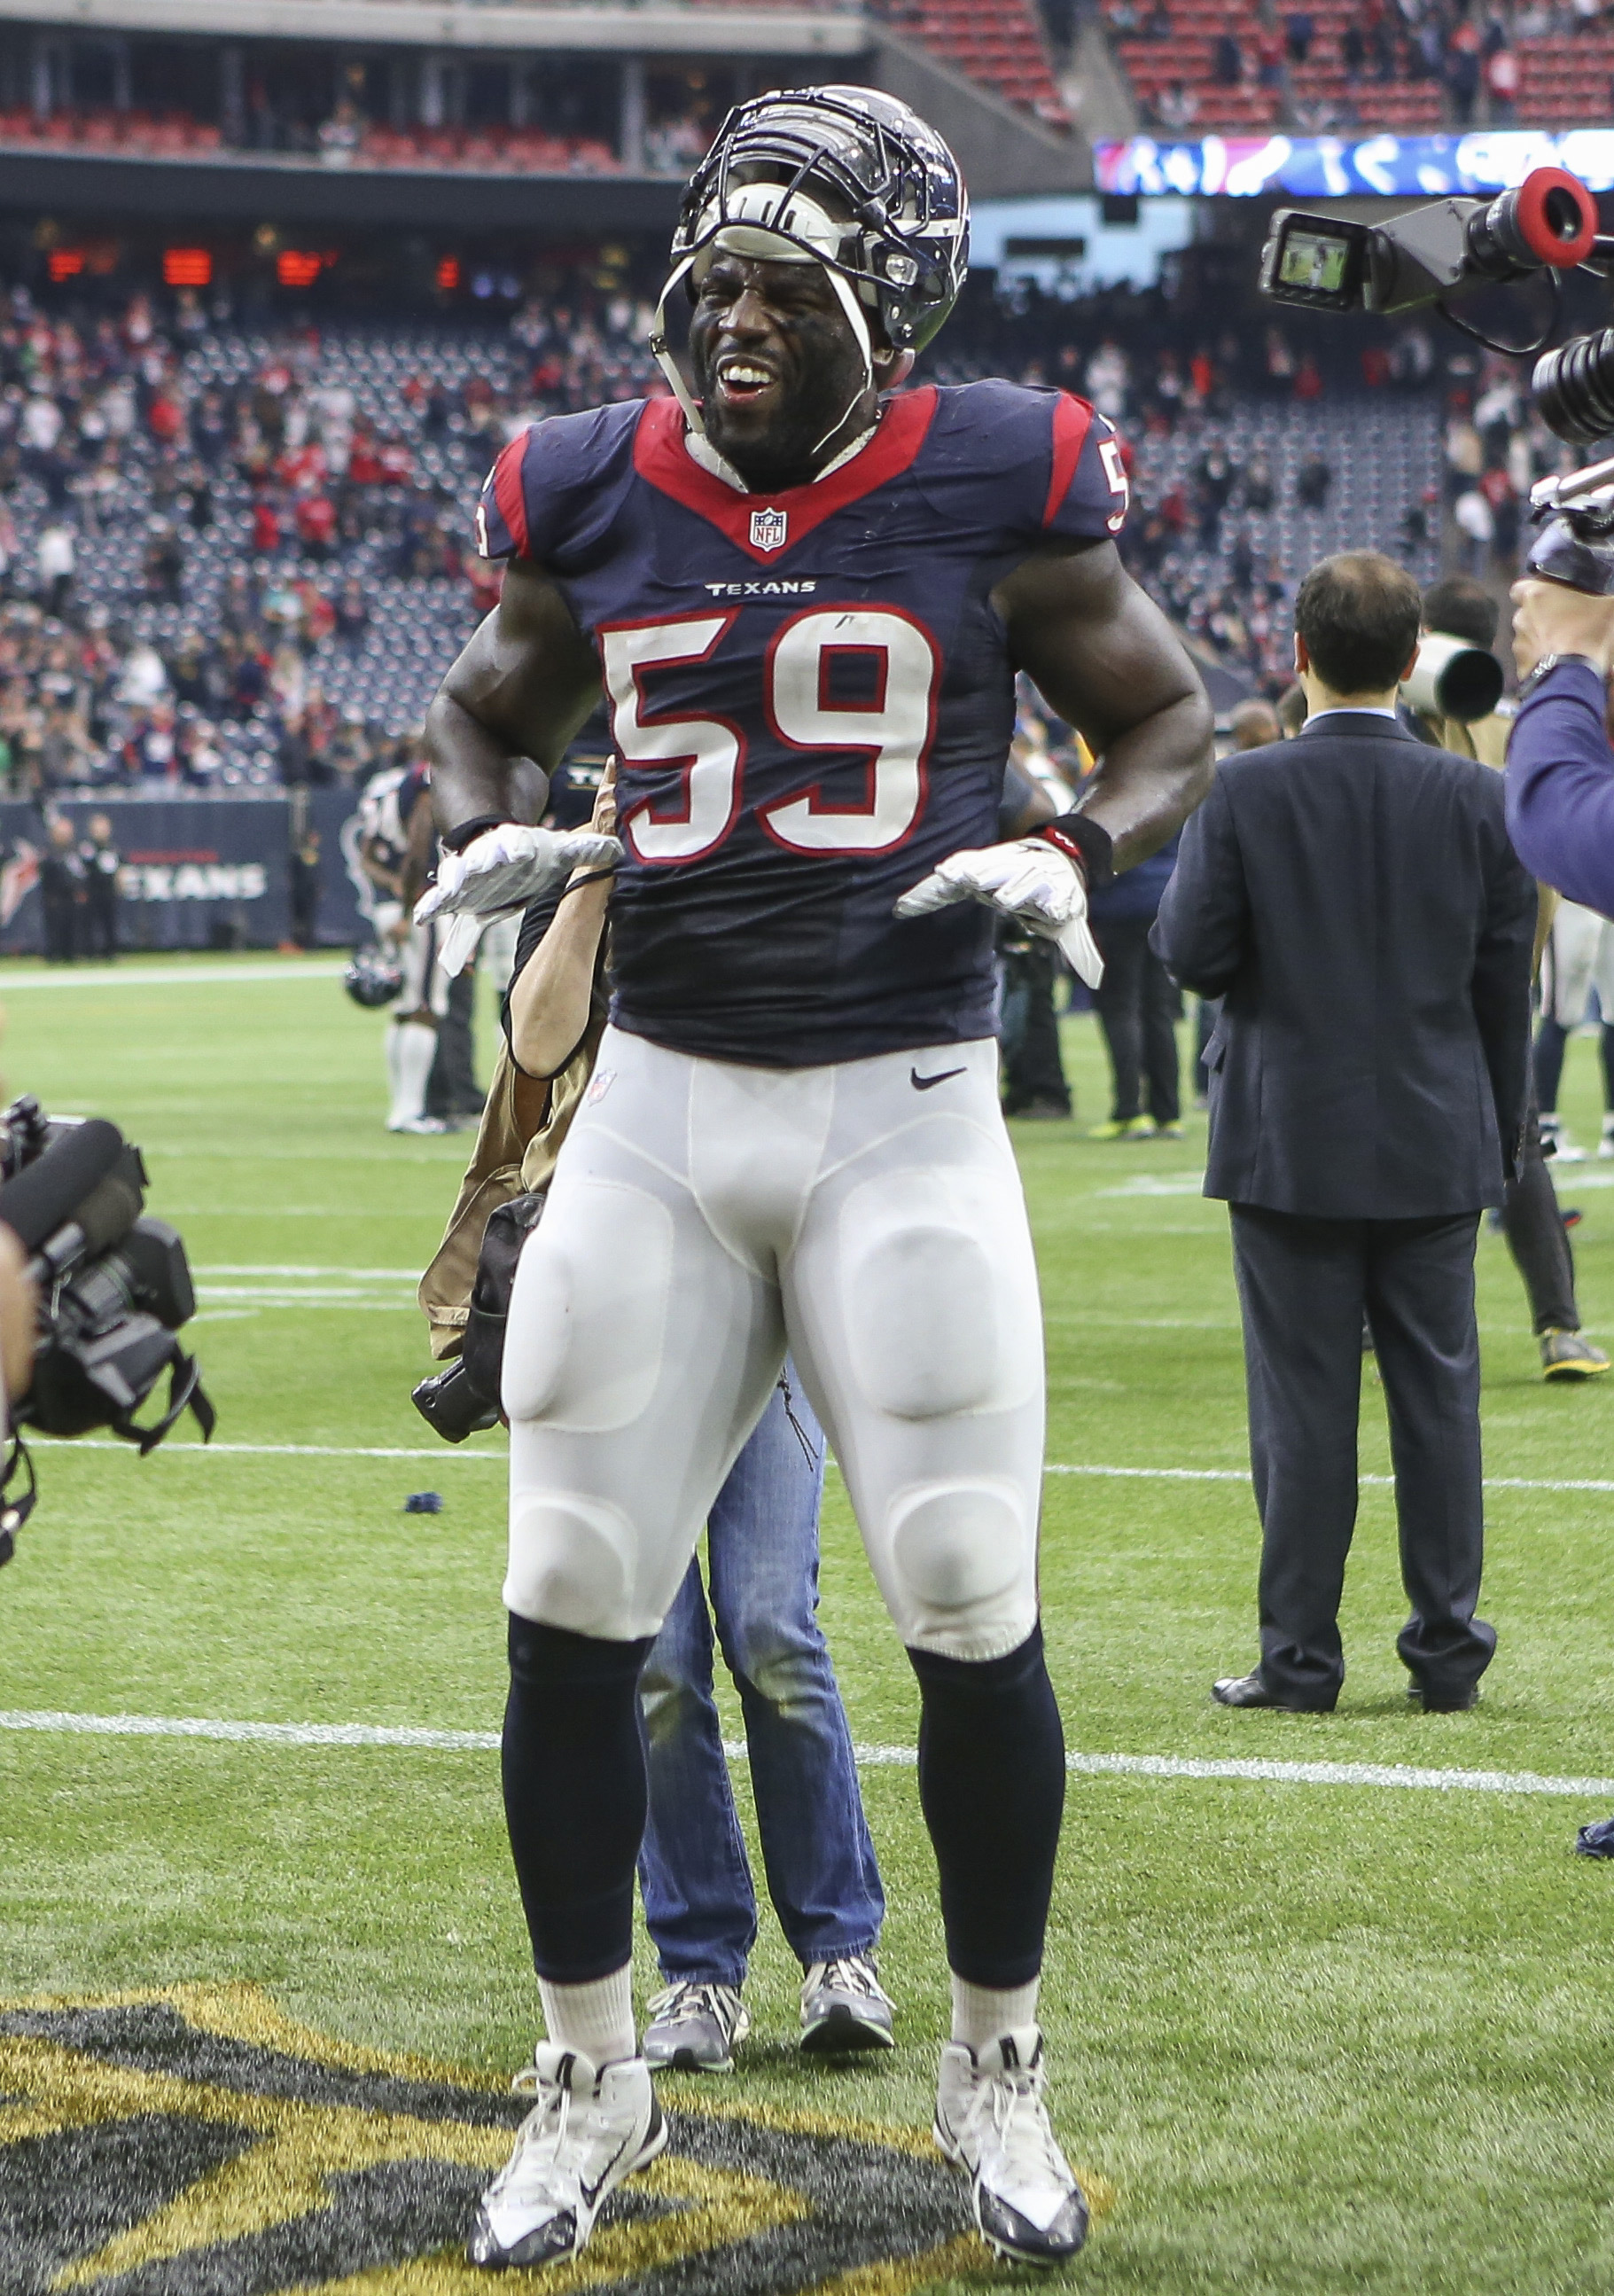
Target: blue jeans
x: 762, y: 1561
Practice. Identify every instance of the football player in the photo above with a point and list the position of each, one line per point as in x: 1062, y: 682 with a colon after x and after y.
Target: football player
x: 395, y: 833
x: 805, y: 594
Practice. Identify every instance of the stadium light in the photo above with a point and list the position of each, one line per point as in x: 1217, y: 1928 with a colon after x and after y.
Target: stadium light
x: 65, y: 262
x: 448, y: 274
x: 297, y: 266
x: 186, y: 267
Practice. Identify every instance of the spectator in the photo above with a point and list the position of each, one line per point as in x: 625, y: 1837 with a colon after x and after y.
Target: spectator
x: 1138, y: 1004
x: 1364, y: 1110
x: 165, y: 560
x: 1462, y: 69
x: 1179, y: 107
x: 1298, y: 33
x: 101, y: 862
x: 1502, y: 78
x: 305, y: 891
x: 62, y: 892
x: 317, y: 523
x: 1472, y: 516
x: 56, y: 557
x: 1312, y: 482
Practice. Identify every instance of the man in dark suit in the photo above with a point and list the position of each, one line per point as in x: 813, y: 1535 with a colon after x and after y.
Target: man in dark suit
x: 1353, y: 896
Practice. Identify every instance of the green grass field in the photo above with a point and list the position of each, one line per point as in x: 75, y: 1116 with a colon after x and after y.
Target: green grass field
x: 1318, y: 2037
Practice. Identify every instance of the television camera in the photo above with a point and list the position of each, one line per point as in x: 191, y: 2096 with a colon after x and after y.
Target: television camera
x: 1543, y: 227
x: 112, y: 1288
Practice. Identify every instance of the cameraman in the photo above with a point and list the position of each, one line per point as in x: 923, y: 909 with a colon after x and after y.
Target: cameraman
x: 17, y: 1311
x: 1462, y: 607
x: 1560, y: 766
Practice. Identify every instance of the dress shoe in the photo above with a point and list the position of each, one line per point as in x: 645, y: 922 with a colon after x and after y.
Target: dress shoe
x: 1249, y: 1689
x: 1444, y: 1702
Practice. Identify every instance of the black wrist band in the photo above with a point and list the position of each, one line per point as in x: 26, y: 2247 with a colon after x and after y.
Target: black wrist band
x: 594, y: 877
x: 1084, y: 840
x: 455, y: 840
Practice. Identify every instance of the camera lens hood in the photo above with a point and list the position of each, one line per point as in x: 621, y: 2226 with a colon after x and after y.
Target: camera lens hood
x: 1549, y: 219
x: 1574, y: 389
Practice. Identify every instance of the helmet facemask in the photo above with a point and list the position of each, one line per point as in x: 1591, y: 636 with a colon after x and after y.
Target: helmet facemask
x: 830, y: 176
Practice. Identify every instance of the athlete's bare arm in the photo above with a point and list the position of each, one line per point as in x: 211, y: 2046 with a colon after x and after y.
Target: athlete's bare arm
x: 517, y: 694
x: 1107, y: 659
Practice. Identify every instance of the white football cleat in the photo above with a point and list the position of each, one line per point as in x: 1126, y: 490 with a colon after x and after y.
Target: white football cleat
x: 588, y: 2130
x: 992, y: 2122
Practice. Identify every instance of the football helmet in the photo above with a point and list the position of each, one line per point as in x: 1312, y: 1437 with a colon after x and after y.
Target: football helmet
x: 373, y: 978
x: 844, y: 176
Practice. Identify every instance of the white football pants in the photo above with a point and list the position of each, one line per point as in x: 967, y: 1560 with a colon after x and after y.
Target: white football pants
x: 704, y: 1217
x: 1578, y: 956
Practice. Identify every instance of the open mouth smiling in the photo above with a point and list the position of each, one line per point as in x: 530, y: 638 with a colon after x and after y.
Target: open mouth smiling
x: 743, y: 381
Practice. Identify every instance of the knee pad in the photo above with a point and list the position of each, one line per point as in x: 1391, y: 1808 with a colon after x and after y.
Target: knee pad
x: 588, y: 1310
x: 942, y: 1312
x: 571, y: 1563
x: 964, y: 1564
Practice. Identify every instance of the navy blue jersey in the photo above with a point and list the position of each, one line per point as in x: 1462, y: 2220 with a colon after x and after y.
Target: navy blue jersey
x: 811, y: 699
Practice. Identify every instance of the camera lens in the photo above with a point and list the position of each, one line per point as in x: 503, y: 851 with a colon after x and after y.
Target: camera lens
x: 1549, y: 218
x: 1574, y: 389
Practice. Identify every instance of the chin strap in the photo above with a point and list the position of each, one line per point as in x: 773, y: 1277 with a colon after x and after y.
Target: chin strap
x: 663, y: 356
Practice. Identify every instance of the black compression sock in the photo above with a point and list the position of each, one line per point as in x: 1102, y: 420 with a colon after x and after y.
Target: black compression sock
x: 992, y: 1787
x: 574, y: 1795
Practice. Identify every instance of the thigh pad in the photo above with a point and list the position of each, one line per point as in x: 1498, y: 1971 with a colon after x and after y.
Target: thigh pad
x: 940, y: 1292
x: 588, y: 1310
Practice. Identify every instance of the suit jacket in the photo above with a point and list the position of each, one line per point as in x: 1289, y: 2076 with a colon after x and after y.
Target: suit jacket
x: 1353, y: 896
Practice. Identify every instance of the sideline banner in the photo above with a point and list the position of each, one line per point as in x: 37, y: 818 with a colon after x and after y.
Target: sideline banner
x: 1337, y: 167
x: 197, y: 873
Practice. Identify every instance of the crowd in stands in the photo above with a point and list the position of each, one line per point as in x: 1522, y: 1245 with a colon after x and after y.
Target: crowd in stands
x: 1255, y: 448
x: 231, y: 557
x: 1322, y: 66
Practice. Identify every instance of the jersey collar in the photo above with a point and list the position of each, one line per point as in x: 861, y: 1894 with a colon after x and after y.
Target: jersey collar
x: 767, y: 527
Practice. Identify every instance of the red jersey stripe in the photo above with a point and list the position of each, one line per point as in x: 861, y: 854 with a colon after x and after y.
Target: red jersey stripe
x: 1072, y: 419
x: 507, y: 490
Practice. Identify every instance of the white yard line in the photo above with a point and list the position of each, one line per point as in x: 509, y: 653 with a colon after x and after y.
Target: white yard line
x: 1146, y: 1766
x: 312, y: 1275
x: 496, y: 1458
x: 200, y: 976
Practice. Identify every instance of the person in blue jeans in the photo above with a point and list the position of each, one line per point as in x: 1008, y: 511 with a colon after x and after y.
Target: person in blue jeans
x: 695, y: 1878
x: 762, y: 1587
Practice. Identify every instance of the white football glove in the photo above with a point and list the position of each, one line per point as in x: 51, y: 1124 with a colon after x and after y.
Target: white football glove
x: 501, y: 870
x: 1029, y: 879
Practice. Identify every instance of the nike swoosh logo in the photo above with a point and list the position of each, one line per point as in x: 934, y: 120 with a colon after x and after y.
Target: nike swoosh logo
x: 923, y: 1084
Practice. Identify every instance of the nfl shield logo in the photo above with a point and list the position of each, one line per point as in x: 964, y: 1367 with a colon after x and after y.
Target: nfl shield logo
x: 769, y: 528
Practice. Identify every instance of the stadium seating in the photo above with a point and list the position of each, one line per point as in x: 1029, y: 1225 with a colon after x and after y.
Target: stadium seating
x: 1565, y: 76
x: 1000, y: 44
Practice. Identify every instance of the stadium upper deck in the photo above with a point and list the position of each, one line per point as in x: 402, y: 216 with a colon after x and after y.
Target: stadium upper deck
x: 482, y: 87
